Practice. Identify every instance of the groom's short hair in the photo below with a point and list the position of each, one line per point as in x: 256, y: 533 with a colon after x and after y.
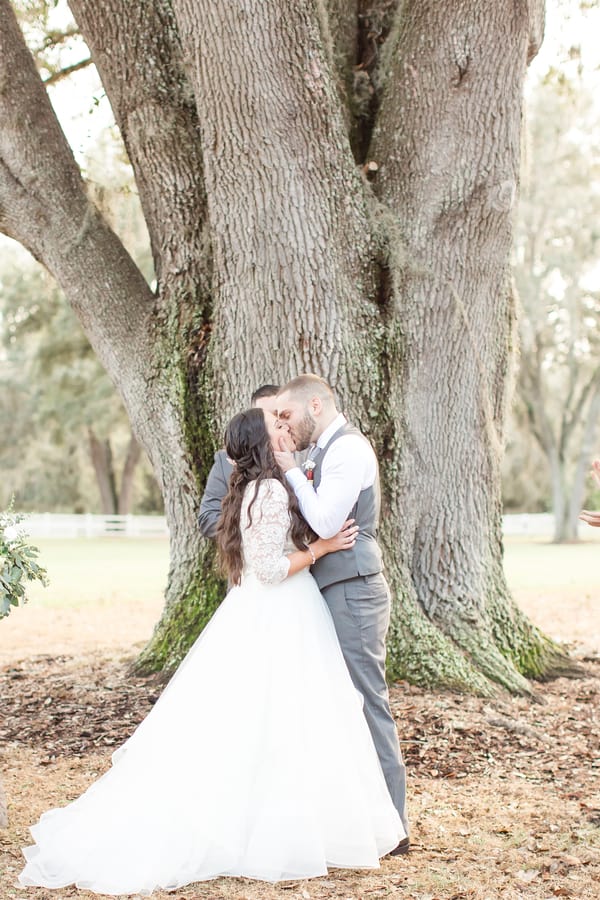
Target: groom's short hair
x: 265, y: 390
x: 303, y: 387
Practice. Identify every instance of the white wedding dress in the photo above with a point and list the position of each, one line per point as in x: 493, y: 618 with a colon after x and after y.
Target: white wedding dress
x: 256, y: 760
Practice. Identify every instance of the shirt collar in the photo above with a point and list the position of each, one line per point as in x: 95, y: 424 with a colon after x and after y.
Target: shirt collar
x: 329, y: 432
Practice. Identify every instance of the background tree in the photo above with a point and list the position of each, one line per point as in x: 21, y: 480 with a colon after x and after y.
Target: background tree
x: 557, y: 245
x: 58, y: 405
x: 297, y: 225
x: 62, y: 420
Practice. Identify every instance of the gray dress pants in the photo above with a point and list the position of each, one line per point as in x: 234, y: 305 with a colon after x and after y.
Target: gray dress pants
x: 361, y: 613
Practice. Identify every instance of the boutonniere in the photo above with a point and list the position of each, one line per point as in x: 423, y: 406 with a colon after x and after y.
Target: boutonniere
x: 308, y: 467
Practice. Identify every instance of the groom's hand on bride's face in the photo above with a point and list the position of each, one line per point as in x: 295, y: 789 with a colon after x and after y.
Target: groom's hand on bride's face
x: 284, y: 456
x: 285, y: 440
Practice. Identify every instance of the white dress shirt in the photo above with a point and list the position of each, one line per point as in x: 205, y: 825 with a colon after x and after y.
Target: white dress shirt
x: 349, y: 467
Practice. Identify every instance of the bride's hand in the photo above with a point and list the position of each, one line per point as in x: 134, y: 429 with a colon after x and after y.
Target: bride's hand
x: 345, y: 539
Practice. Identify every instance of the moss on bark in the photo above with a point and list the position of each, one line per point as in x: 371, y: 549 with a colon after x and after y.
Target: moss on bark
x: 533, y: 653
x: 196, y: 588
x: 420, y: 653
x: 500, y: 652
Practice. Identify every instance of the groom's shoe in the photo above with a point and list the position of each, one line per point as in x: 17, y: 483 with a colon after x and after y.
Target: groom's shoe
x: 402, y: 848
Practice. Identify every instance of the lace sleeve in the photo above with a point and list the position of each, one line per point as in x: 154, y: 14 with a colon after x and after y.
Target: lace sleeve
x: 264, y: 540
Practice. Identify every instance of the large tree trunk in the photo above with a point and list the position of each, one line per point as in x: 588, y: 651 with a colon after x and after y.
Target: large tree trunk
x: 146, y: 341
x: 275, y: 256
x: 299, y: 299
x: 447, y: 145
x: 154, y: 106
x: 304, y: 299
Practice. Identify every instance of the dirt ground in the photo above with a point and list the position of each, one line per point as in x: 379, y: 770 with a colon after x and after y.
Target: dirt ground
x: 504, y: 794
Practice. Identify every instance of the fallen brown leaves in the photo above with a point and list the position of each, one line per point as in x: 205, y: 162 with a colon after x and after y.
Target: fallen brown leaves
x: 70, y: 706
x: 505, y: 798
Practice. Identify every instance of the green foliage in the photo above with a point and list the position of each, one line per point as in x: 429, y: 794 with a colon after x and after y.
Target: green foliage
x: 17, y: 563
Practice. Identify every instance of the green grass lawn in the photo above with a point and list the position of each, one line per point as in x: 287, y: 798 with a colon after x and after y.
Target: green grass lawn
x: 538, y: 565
x: 108, y: 593
x: 116, y: 570
x: 101, y: 571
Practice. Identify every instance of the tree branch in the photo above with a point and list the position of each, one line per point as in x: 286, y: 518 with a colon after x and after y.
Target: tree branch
x: 43, y: 204
x: 577, y: 408
x: 68, y: 70
x: 537, y: 20
x: 154, y: 107
x: 339, y: 20
x: 531, y: 388
x: 54, y: 39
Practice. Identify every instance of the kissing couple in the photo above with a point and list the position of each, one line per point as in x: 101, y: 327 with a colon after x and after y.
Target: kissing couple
x: 272, y: 753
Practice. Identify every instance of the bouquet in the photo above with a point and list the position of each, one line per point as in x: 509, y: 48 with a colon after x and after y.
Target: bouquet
x: 17, y: 562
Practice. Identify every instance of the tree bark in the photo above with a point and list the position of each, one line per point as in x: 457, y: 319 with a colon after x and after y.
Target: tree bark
x: 339, y: 29
x: 447, y: 143
x: 304, y: 298
x: 3, y: 810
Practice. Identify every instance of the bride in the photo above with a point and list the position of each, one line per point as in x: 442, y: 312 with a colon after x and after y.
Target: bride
x: 256, y: 761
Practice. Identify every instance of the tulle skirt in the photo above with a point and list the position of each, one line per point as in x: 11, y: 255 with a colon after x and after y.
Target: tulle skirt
x: 256, y: 761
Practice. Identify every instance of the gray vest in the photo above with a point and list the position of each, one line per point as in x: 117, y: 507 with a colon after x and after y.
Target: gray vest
x: 365, y: 556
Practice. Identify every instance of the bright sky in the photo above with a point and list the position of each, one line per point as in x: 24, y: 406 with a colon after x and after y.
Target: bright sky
x: 569, y: 26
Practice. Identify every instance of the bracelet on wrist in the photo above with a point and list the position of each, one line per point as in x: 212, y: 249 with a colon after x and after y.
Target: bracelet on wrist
x: 312, y: 554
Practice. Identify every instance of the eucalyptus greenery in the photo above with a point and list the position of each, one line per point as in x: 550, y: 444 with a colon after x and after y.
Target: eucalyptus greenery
x: 17, y: 562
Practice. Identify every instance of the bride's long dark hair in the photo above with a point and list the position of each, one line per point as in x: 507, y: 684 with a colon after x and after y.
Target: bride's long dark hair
x: 248, y: 445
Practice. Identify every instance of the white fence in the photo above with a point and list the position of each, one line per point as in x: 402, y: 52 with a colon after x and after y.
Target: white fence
x: 71, y: 526
x: 538, y: 524
x: 67, y: 526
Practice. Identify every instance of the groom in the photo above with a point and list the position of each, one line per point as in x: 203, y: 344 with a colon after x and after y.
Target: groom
x: 341, y: 481
x: 217, y: 483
